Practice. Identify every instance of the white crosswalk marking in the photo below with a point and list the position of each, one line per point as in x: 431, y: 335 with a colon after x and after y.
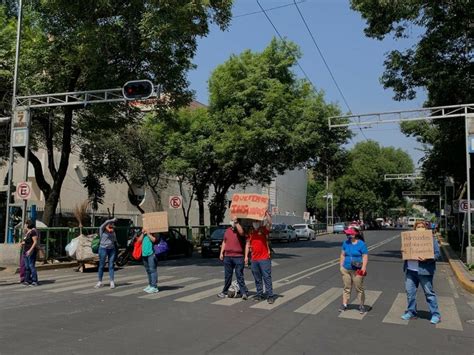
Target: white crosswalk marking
x: 322, y: 301
x: 449, y: 314
x: 89, y: 284
x: 397, y: 310
x: 56, y: 280
x: 201, y: 295
x: 185, y: 288
x: 284, y: 297
x: 91, y: 280
x: 140, y: 289
x: 370, y: 298
x: 120, y: 284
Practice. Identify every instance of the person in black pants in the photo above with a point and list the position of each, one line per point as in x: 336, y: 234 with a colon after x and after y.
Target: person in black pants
x: 30, y: 243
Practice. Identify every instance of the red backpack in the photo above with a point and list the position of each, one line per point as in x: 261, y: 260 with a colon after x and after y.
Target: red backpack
x: 137, y: 249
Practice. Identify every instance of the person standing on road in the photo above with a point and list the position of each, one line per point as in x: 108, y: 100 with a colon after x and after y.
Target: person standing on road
x: 107, y: 250
x: 261, y: 258
x: 30, y: 245
x: 149, y: 260
x: 353, y: 265
x: 232, y: 253
x: 421, y: 271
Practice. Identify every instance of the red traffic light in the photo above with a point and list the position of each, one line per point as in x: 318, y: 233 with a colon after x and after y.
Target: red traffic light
x: 137, y: 89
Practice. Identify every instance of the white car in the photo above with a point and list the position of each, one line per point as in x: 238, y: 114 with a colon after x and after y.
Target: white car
x: 283, y: 232
x: 303, y: 231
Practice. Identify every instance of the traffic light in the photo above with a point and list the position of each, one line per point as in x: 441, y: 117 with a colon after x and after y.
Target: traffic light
x: 137, y: 89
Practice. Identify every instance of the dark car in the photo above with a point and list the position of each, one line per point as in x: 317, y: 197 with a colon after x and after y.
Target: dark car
x: 178, y: 244
x: 212, y: 246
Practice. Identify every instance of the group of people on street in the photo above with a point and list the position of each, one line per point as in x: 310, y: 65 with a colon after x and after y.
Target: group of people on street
x: 236, y: 249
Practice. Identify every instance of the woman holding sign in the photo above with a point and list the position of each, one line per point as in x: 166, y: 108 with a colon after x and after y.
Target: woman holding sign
x: 421, y: 271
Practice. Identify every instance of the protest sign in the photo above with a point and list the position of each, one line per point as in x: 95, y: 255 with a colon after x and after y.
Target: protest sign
x: 251, y: 206
x: 417, y: 244
x: 155, y: 222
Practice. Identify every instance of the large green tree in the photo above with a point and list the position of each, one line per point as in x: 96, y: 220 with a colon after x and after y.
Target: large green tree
x: 440, y: 62
x: 363, y: 190
x: 266, y: 120
x: 85, y: 45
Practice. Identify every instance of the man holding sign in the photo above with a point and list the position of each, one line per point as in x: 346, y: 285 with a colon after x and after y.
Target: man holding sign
x: 420, y: 252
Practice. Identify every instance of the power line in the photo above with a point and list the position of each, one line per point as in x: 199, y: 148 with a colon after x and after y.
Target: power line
x: 324, y: 61
x: 281, y: 37
x: 269, y: 9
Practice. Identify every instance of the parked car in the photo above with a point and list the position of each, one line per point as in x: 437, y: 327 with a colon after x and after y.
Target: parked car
x: 283, y: 232
x: 304, y: 231
x: 339, y: 228
x: 212, y: 246
x: 178, y: 244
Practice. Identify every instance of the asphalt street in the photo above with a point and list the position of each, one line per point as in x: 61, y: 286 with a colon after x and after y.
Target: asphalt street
x: 66, y: 315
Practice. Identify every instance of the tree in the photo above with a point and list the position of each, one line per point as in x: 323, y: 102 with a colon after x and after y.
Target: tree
x: 265, y: 120
x: 102, y: 44
x: 441, y: 62
x: 362, y: 189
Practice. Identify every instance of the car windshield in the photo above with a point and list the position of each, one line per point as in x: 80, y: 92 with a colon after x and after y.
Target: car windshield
x: 299, y: 226
x: 218, y: 234
x: 278, y: 227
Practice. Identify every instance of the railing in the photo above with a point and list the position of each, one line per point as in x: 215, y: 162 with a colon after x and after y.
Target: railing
x: 318, y: 227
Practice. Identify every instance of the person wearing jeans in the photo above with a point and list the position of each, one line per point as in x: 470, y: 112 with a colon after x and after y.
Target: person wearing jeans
x: 232, y: 253
x: 149, y: 260
x: 421, y: 272
x: 261, y: 261
x: 29, y: 250
x: 107, y: 251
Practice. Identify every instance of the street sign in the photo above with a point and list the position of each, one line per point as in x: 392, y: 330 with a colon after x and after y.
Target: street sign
x: 176, y: 202
x: 462, y: 206
x: 20, y: 122
x: 470, y: 148
x: 306, y: 216
x: 275, y: 210
x: 23, y: 190
x: 420, y: 193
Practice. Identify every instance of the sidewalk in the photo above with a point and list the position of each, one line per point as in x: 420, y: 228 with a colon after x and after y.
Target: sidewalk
x: 465, y: 278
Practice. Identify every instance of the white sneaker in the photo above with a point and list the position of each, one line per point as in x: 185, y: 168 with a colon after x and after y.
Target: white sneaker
x: 112, y: 284
x: 98, y: 285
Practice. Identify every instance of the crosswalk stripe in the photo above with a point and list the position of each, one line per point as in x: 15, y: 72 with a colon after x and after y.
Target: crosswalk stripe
x: 140, y: 289
x: 120, y: 285
x: 449, y: 314
x: 90, y: 284
x: 201, y: 295
x: 284, y: 297
x: 370, y: 298
x: 53, y: 285
x: 396, y: 311
x: 61, y: 278
x: 183, y: 289
x: 317, y: 304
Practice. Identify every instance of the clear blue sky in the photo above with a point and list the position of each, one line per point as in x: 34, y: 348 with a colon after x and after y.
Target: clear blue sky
x: 355, y: 60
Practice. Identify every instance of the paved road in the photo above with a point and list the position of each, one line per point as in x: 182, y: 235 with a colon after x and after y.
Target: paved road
x: 65, y: 315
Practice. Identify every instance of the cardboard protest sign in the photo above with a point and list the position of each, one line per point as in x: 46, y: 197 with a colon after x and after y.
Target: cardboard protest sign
x: 251, y: 206
x: 155, y: 222
x: 417, y: 244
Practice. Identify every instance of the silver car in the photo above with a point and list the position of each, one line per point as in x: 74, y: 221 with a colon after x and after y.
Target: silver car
x: 303, y: 231
x: 283, y: 232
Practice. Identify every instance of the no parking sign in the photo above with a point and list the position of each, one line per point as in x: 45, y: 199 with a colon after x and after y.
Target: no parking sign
x: 23, y: 190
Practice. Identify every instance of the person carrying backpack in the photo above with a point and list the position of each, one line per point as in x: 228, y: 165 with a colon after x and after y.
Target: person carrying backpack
x: 150, y: 261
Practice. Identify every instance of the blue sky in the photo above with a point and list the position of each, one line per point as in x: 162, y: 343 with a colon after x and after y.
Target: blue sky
x: 355, y: 60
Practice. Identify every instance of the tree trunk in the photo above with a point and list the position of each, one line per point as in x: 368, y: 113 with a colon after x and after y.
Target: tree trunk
x: 217, y: 206
x: 200, y: 201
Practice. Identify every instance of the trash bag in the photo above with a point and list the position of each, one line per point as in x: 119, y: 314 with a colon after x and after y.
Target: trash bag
x: 71, y: 248
x: 95, y: 243
x: 84, y: 249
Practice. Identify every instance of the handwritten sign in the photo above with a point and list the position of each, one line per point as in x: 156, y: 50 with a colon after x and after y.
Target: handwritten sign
x: 417, y: 244
x: 155, y: 222
x: 251, y: 206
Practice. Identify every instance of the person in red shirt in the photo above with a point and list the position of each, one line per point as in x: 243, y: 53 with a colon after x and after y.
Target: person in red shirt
x: 232, y: 253
x: 261, y: 259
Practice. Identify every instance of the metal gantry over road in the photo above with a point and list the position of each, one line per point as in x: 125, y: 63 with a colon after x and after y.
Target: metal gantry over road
x: 423, y: 114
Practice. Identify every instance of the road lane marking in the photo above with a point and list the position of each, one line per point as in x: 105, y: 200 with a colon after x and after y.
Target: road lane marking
x: 203, y: 294
x: 453, y: 288
x: 140, y: 289
x: 370, y: 299
x: 397, y: 310
x: 317, y: 304
x: 185, y: 288
x: 90, y: 284
x: 119, y: 285
x: 284, y: 297
x: 449, y: 314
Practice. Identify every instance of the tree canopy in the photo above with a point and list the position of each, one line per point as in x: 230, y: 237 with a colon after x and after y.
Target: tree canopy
x: 441, y: 62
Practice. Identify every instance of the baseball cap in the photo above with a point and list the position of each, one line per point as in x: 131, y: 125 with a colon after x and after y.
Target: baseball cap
x: 350, y: 231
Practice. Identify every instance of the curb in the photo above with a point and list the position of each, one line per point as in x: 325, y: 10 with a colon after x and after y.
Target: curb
x: 462, y: 275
